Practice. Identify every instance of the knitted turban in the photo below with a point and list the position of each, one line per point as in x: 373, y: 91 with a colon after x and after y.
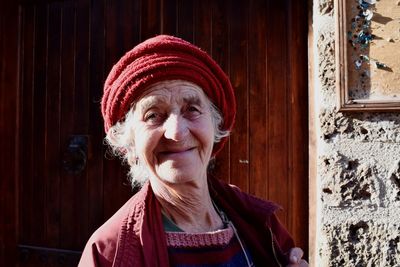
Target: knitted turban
x: 165, y: 58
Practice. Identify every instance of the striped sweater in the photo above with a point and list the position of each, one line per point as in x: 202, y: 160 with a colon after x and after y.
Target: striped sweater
x: 211, y: 249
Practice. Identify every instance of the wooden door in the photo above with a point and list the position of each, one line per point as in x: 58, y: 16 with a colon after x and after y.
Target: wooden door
x: 64, y: 185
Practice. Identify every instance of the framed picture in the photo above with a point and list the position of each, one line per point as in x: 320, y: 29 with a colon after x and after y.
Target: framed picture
x: 368, y: 55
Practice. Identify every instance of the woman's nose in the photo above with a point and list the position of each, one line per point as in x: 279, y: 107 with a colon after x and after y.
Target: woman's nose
x: 175, y: 127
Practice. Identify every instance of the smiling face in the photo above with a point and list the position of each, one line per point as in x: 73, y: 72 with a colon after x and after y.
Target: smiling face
x: 173, y: 131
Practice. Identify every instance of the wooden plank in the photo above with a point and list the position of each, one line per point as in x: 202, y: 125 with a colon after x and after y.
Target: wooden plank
x: 115, y: 180
x: 95, y: 154
x: 130, y: 29
x: 298, y: 115
x: 5, y: 182
x: 44, y: 256
x: 81, y: 119
x: 150, y: 19
x: 239, y: 154
x: 220, y: 51
x: 258, y: 146
x: 277, y: 106
x: 81, y: 97
x: 123, y: 22
x: 122, y: 29
x: 114, y: 175
x: 68, y: 74
x: 168, y: 17
x: 37, y: 221
x: 184, y: 26
x: 9, y: 22
x: 202, y: 33
x: 26, y: 121
x: 53, y: 120
x: 113, y: 50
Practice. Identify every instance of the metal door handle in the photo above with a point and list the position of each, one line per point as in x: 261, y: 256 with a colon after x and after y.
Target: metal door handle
x: 75, y: 156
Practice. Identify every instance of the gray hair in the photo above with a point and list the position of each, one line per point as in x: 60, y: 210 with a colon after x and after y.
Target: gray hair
x: 120, y: 139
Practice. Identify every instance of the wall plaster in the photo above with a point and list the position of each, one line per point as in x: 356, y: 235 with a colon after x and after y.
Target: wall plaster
x: 358, y: 167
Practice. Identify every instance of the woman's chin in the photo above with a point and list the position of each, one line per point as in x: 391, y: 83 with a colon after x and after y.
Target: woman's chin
x: 177, y: 175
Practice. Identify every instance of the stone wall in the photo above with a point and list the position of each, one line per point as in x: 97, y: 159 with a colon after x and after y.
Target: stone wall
x: 358, y: 167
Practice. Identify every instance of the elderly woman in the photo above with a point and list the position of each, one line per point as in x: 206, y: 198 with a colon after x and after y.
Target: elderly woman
x: 168, y: 108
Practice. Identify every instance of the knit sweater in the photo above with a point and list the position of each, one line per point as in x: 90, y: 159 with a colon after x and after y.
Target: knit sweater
x: 217, y: 249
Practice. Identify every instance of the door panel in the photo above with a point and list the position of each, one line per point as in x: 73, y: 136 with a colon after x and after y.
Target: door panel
x: 66, y: 48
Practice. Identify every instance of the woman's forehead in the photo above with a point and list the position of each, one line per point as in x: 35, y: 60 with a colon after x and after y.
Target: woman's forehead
x: 178, y: 90
x: 173, y: 84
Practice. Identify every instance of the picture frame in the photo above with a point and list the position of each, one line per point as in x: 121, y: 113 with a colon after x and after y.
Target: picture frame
x: 363, y: 82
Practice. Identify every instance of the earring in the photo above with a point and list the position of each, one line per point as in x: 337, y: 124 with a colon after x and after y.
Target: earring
x: 136, y: 160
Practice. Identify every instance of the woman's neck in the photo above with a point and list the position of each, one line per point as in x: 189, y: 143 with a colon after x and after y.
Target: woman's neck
x: 188, y: 205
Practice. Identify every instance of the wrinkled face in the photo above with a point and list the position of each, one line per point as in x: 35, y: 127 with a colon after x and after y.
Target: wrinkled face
x: 174, y: 132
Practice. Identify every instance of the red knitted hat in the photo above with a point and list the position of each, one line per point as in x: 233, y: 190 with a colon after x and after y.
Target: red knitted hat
x: 166, y: 58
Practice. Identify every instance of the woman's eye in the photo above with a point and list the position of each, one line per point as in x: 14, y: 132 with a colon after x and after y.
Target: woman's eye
x: 192, y: 112
x: 150, y: 116
x: 193, y: 109
x: 153, y: 117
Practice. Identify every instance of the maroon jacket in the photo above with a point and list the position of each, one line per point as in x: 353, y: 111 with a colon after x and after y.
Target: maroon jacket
x: 134, y: 235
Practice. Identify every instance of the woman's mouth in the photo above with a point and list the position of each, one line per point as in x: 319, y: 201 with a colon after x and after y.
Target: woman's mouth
x: 175, y: 154
x: 176, y: 151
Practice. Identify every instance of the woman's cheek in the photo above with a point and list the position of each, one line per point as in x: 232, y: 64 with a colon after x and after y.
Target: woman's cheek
x: 148, y: 143
x: 140, y: 137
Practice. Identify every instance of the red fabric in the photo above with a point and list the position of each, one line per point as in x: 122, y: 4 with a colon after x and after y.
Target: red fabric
x: 256, y: 223
x: 165, y: 58
x: 135, y: 236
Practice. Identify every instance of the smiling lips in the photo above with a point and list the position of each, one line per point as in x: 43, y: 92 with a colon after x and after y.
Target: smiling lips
x: 176, y: 151
x: 175, y: 154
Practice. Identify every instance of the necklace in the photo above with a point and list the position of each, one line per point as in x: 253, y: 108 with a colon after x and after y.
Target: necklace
x: 227, y: 222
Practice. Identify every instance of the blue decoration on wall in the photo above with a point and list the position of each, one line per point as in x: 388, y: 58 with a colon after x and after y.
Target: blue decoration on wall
x: 360, y: 35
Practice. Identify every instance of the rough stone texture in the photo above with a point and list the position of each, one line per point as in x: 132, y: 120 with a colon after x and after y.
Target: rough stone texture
x: 326, y: 71
x: 360, y: 127
x: 326, y: 7
x: 394, y: 177
x: 333, y: 123
x: 349, y: 183
x: 358, y: 168
x: 362, y: 244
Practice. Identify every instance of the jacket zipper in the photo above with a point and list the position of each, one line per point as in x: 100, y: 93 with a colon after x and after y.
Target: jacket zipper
x: 273, y: 247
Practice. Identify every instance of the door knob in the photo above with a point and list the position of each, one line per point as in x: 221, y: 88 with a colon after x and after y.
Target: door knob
x: 75, y: 155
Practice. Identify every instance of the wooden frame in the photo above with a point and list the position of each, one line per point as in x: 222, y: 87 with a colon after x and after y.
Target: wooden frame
x: 345, y: 102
